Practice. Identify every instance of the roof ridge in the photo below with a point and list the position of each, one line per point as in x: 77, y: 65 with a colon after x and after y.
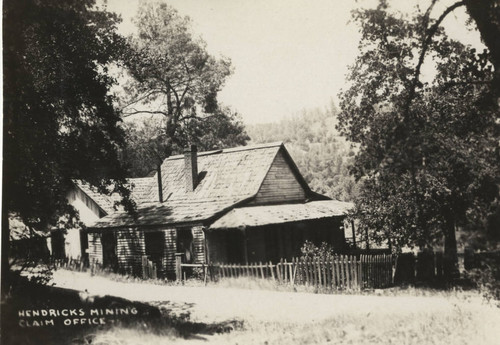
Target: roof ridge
x: 232, y: 149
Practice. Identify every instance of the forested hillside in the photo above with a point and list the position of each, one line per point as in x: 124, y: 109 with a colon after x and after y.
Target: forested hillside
x: 321, y: 154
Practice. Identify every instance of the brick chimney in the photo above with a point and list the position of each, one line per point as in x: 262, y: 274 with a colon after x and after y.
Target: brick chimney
x: 191, y: 167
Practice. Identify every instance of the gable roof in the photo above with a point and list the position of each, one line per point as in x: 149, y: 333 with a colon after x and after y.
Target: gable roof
x: 103, y: 201
x: 139, y: 189
x: 229, y: 177
x: 229, y: 174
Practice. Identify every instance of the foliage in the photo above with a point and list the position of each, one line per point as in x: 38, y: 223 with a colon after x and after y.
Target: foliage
x: 172, y: 74
x: 488, y: 282
x: 483, y: 269
x: 486, y: 16
x: 59, y: 120
x: 428, y: 159
x: 146, y: 141
x: 321, y: 154
x: 311, y: 251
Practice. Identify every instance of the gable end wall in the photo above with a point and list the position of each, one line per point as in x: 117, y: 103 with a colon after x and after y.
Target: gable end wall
x: 280, y: 184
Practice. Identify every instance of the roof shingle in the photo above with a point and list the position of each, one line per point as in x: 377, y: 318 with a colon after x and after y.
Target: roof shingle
x: 233, y: 174
x: 279, y: 214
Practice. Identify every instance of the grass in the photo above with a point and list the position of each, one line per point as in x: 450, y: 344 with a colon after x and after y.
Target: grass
x: 459, y: 326
x: 470, y: 321
x: 467, y: 320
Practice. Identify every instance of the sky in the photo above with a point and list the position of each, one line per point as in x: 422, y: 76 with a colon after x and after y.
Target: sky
x: 288, y: 55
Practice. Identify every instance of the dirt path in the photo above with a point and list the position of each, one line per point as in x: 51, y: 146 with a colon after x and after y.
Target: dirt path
x: 209, y: 304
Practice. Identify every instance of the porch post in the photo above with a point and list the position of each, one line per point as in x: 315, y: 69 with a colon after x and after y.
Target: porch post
x: 205, y: 239
x: 245, y: 246
x: 353, y: 234
x: 178, y: 268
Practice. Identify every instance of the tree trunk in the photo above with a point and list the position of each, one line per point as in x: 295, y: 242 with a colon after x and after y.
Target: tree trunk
x: 5, y: 251
x: 450, y: 250
x: 486, y: 15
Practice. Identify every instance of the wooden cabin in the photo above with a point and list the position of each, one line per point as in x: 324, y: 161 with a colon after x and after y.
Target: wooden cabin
x: 91, y: 206
x: 243, y: 204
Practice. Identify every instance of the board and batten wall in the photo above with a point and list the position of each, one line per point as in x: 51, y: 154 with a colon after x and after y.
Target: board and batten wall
x: 95, y: 247
x: 280, y: 184
x: 131, y: 247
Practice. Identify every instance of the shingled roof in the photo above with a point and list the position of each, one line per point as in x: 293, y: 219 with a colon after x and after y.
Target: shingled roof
x: 139, y: 188
x: 229, y: 174
x: 103, y: 201
x: 228, y: 178
x: 246, y: 217
x: 175, y: 212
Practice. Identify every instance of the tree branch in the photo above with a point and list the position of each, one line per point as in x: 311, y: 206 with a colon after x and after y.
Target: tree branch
x: 425, y: 46
x: 187, y: 117
x: 144, y: 112
x: 152, y: 92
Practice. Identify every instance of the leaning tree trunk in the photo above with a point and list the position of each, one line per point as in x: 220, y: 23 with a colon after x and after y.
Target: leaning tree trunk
x: 486, y: 15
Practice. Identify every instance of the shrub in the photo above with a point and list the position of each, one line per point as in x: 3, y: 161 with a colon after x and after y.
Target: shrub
x: 310, y: 250
x: 487, y: 279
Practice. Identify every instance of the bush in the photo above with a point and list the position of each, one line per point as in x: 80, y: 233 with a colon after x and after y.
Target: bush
x: 487, y: 279
x: 310, y: 250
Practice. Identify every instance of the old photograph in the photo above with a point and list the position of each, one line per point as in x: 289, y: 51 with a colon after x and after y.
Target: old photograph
x: 250, y: 172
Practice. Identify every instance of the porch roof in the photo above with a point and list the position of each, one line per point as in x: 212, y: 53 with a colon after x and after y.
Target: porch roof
x: 277, y: 214
x: 168, y: 213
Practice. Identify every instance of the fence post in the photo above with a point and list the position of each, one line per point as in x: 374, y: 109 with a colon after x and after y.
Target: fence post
x: 154, y: 273
x: 178, y: 267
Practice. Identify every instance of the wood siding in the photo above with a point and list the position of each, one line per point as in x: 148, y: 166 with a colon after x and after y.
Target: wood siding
x: 129, y: 249
x: 95, y: 247
x: 198, y: 247
x: 170, y: 250
x: 280, y: 184
x: 198, y: 244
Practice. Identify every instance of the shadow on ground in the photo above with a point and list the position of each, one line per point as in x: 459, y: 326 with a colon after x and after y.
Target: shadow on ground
x: 39, y: 314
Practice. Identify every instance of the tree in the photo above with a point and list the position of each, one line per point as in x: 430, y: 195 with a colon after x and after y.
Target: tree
x: 146, y: 142
x: 486, y: 15
x: 428, y: 159
x: 172, y: 74
x: 59, y: 120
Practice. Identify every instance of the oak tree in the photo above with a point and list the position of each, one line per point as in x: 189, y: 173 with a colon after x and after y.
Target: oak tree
x: 146, y: 141
x: 59, y: 120
x: 171, y: 73
x: 429, y: 158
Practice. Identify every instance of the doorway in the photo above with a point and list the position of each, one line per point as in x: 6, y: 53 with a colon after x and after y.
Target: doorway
x: 109, y: 258
x: 154, y: 242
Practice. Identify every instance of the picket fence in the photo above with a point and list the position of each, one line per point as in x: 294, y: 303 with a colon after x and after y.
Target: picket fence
x: 341, y: 272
